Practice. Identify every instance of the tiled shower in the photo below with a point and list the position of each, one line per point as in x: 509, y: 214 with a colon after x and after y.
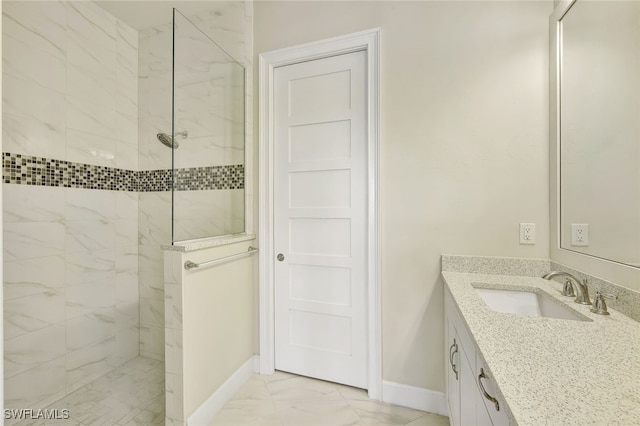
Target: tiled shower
x: 87, y: 185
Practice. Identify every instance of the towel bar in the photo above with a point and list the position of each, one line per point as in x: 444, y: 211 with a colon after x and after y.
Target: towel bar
x: 192, y: 265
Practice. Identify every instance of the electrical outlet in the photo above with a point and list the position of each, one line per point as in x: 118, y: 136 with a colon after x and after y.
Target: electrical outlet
x: 527, y: 233
x: 580, y: 234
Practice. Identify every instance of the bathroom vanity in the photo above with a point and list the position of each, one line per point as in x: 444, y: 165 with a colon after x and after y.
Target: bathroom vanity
x: 516, y: 369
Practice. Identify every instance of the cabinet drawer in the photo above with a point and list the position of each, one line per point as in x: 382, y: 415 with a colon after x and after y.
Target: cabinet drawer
x: 497, y: 412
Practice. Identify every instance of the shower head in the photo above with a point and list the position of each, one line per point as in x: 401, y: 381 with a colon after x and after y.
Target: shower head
x: 169, y: 141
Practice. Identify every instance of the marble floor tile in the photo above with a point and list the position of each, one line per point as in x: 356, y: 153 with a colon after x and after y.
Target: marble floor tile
x: 379, y: 413
x: 285, y: 399
x: 303, y: 388
x: 430, y: 419
x: 255, y: 388
x: 317, y: 413
x: 248, y: 412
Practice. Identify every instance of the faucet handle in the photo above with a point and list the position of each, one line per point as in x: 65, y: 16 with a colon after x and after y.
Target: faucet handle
x: 599, y: 305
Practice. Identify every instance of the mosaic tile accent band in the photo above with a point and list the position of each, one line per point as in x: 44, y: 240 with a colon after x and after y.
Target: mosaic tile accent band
x: 28, y: 170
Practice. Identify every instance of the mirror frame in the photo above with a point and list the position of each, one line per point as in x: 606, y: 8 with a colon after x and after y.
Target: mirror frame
x: 625, y: 275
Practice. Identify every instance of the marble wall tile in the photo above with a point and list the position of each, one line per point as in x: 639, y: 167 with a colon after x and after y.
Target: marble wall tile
x: 30, y: 387
x: 150, y: 270
x: 34, y: 34
x: 236, y: 207
x: 88, y: 363
x: 158, y: 155
x: 228, y: 27
x: 152, y: 342
x: 26, y: 277
x: 174, y: 394
x: 88, y: 86
x: 24, y: 61
x: 41, y: 25
x: 88, y: 267
x: 28, y: 240
x: 85, y: 236
x: 126, y: 287
x: 127, y: 90
x: 152, y: 312
x: 71, y: 267
x: 203, y: 151
x: 126, y: 345
x: 91, y: 38
x: 126, y: 156
x: 127, y: 47
x: 173, y: 267
x: 127, y: 86
x: 127, y: 128
x: 91, y: 118
x: 126, y: 205
x: 150, y: 288
x: 89, y: 329
x: 88, y: 297
x: 32, y: 203
x: 32, y: 349
x: 91, y: 70
x: 154, y: 97
x: 173, y: 305
x: 127, y: 314
x: 126, y: 232
x: 88, y: 148
x: 34, y: 118
x: 25, y: 134
x: 126, y: 258
x: 154, y: 218
x: 173, y: 351
x: 86, y: 204
x: 143, y: 148
x: 208, y: 212
x: 33, y: 312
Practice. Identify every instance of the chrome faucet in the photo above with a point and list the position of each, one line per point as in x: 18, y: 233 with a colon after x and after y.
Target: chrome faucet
x: 581, y: 288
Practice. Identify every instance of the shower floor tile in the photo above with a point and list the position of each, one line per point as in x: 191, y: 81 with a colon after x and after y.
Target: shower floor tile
x: 130, y: 395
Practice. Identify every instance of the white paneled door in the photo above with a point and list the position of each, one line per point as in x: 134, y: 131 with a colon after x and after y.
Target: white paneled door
x: 320, y: 205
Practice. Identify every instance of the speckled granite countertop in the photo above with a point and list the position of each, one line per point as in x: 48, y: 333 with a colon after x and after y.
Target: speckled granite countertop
x: 551, y: 371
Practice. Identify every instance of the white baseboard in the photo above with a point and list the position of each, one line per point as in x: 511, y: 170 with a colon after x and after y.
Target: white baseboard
x: 414, y: 397
x: 205, y: 413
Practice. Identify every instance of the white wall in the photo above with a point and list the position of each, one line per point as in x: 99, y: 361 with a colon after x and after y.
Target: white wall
x: 70, y: 254
x: 464, y: 147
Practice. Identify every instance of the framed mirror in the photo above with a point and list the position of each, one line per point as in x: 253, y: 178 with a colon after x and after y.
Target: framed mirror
x: 599, y: 130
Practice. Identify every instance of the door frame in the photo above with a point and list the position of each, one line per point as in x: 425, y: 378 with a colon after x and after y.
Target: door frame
x: 368, y: 41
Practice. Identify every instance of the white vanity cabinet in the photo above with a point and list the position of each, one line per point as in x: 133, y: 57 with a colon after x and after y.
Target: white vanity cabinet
x: 468, y: 405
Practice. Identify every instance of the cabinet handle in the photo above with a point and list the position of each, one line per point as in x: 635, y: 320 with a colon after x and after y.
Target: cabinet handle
x: 451, y: 354
x: 484, y: 392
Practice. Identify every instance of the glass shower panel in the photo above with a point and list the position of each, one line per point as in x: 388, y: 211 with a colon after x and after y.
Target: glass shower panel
x: 208, y: 136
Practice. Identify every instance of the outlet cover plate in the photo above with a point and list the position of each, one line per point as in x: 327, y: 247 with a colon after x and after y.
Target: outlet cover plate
x: 527, y: 233
x: 580, y: 234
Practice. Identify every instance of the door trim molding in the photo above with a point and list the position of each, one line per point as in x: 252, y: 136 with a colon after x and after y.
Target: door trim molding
x: 368, y: 41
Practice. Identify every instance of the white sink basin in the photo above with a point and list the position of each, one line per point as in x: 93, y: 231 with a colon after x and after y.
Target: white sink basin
x: 527, y: 303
